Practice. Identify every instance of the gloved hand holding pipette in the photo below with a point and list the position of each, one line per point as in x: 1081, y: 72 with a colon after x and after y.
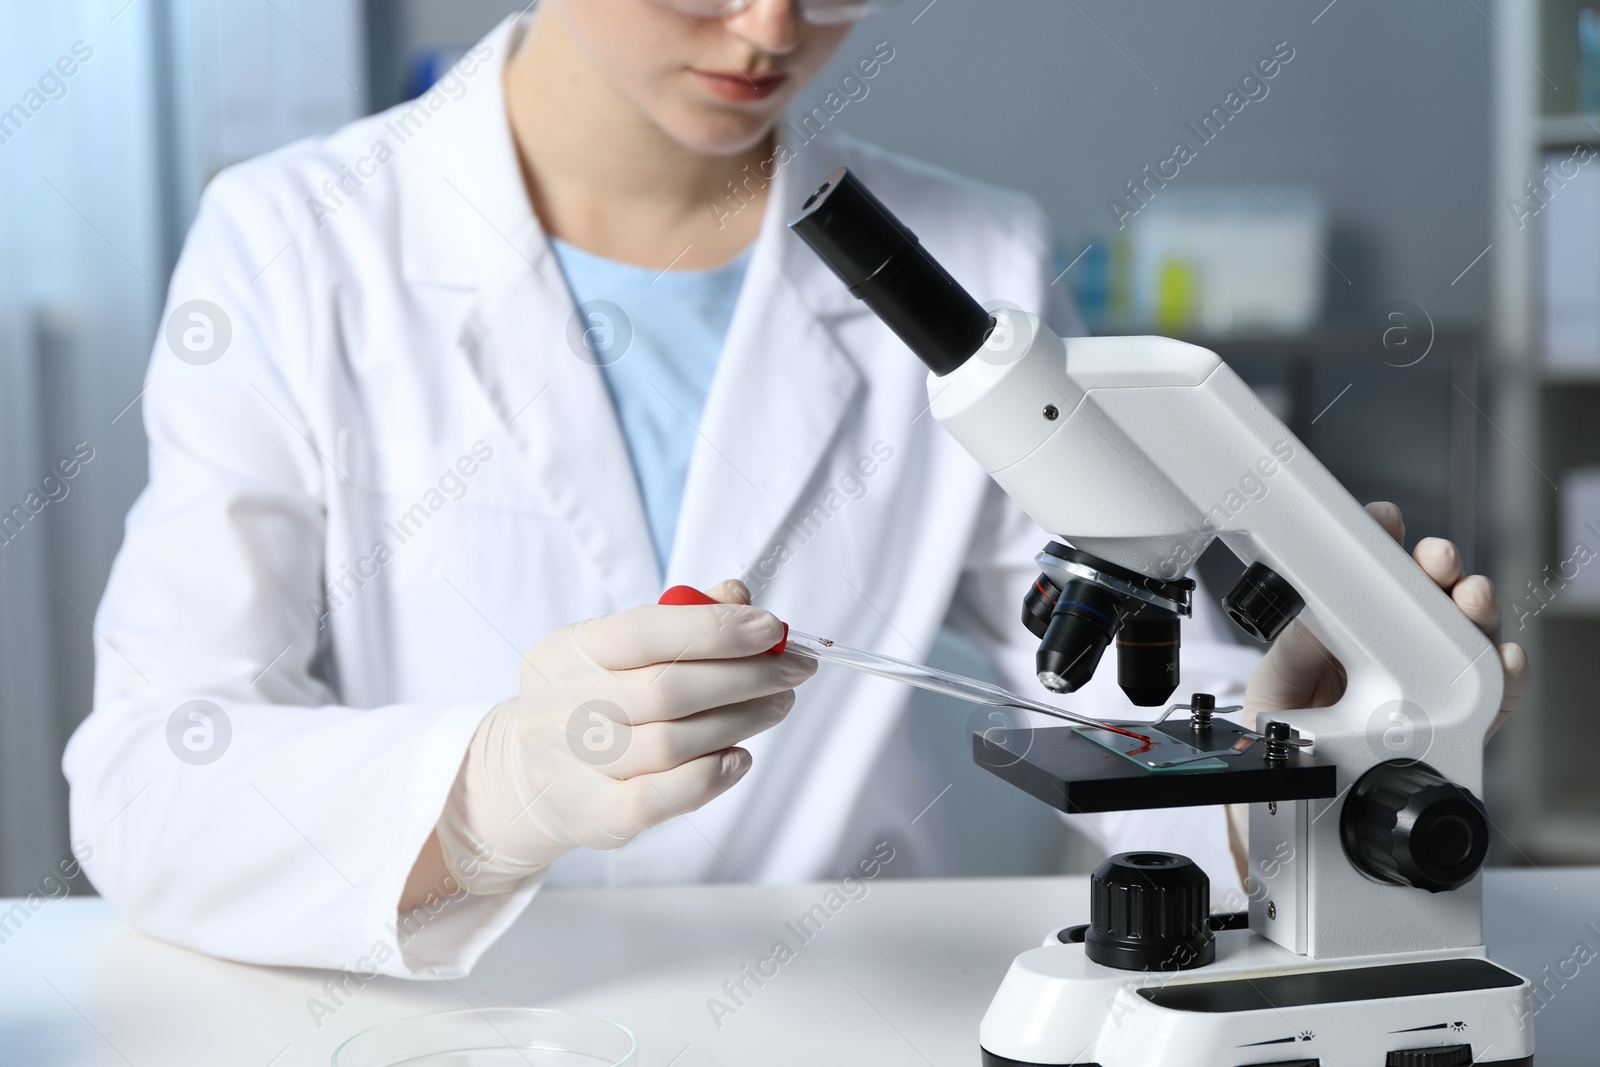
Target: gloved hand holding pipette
x: 622, y: 722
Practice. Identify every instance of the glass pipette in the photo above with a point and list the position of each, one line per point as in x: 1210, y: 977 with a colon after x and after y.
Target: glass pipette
x: 919, y: 675
x: 934, y: 680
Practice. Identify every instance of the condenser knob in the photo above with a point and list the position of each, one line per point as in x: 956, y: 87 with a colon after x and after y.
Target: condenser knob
x: 1405, y: 823
x: 1150, y: 911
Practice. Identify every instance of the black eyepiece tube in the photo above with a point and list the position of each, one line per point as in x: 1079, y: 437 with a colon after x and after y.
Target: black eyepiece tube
x: 883, y: 264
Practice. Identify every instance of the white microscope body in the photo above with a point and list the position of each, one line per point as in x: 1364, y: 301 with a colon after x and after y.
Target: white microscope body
x: 1142, y: 466
x: 1139, y: 452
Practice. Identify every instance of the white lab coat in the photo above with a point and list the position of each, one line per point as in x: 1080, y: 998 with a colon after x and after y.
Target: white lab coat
x: 411, y: 326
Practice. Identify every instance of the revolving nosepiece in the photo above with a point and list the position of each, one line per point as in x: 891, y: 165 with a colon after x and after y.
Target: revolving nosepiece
x: 1080, y: 603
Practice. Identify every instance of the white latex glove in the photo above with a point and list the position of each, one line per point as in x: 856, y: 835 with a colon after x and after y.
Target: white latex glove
x: 1298, y: 672
x: 622, y: 722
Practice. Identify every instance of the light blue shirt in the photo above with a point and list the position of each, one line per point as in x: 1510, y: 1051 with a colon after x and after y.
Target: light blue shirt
x: 656, y: 336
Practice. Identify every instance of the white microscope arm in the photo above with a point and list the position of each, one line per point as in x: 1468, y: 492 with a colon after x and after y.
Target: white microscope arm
x: 1141, y: 450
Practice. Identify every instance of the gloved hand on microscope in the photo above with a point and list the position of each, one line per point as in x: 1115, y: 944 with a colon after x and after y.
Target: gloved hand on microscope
x: 1298, y: 672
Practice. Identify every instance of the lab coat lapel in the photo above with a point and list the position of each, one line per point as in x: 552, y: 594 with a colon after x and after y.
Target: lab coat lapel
x: 479, y: 234
x: 782, y: 388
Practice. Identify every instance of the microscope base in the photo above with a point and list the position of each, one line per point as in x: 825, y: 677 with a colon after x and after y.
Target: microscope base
x: 1258, y: 1005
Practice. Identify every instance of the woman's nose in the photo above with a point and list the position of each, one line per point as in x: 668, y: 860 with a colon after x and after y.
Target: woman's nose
x: 770, y: 25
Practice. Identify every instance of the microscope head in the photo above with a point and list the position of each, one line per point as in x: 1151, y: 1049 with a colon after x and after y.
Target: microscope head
x: 1080, y: 603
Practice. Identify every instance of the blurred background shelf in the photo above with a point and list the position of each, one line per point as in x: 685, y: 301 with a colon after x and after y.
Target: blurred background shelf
x: 1544, y: 362
x: 1565, y: 376
x: 1556, y: 131
x: 1573, y: 609
x: 1572, y: 834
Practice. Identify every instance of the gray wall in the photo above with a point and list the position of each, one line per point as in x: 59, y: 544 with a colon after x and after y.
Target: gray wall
x: 1384, y: 107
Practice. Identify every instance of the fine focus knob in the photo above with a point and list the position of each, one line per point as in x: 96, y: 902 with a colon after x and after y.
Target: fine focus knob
x: 1262, y: 603
x: 1149, y: 911
x: 1406, y: 824
x: 1443, y: 1056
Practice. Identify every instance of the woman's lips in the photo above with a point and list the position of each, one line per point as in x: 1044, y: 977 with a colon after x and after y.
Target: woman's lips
x: 740, y: 87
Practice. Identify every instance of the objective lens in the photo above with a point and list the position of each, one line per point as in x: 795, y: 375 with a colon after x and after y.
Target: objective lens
x: 1147, y: 657
x: 1084, y: 620
x: 1038, y: 604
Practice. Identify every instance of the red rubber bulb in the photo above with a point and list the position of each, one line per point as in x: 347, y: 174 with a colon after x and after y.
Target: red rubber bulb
x: 688, y: 595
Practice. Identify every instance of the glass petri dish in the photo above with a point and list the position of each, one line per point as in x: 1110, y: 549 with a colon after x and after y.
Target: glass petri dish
x: 491, y: 1037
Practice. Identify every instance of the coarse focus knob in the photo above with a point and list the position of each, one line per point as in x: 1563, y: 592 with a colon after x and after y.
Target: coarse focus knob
x: 1261, y: 603
x: 1443, y: 1056
x: 1405, y: 823
x: 1150, y: 911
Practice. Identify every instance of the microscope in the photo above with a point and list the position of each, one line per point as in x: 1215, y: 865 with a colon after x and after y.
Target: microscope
x: 1362, y: 945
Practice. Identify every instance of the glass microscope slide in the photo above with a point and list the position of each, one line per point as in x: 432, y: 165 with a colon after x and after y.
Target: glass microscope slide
x: 1157, y: 754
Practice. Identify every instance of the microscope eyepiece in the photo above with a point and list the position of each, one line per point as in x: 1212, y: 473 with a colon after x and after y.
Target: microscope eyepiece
x: 883, y: 264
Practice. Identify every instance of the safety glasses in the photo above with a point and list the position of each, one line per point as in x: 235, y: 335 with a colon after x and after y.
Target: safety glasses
x: 817, y: 12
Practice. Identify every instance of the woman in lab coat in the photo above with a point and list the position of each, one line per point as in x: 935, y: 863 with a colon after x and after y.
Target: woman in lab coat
x: 340, y: 668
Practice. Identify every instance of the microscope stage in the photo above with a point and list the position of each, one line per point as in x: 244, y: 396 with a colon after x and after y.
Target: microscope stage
x: 1066, y: 770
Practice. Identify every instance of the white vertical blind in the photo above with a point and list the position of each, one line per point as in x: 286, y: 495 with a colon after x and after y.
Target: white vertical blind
x: 80, y: 287
x: 251, y: 76
x: 113, y: 116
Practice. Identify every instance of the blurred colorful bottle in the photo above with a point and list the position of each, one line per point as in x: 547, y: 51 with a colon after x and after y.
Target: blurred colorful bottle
x: 1175, y: 303
x: 1090, y: 283
x: 427, y: 66
x: 1119, y: 282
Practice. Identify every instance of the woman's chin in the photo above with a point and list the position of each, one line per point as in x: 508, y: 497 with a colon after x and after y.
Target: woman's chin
x: 716, y: 132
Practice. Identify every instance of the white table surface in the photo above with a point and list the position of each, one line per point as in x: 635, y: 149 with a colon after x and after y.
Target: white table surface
x: 899, y: 976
